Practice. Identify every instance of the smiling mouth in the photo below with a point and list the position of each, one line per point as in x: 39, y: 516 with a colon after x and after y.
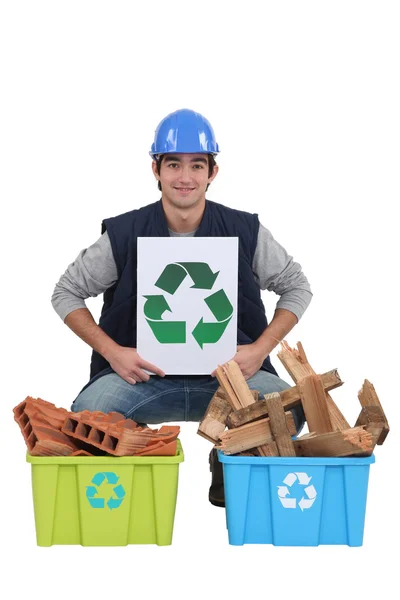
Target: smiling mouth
x: 182, y: 189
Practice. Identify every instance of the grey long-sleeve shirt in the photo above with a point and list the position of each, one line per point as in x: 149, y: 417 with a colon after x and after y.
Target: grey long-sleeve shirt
x: 94, y: 271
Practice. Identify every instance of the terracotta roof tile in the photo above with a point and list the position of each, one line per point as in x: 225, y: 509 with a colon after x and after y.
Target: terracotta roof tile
x: 50, y: 431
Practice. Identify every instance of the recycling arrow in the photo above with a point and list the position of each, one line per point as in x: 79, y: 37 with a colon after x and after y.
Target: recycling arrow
x: 166, y: 332
x: 303, y: 503
x: 222, y: 309
x: 288, y: 502
x: 98, y: 478
x: 169, y: 332
x: 114, y: 503
x: 310, y: 491
x: 155, y: 306
x: 91, y: 491
x: 111, y: 478
x: 174, y: 273
x: 103, y: 480
x: 303, y: 478
x: 96, y: 502
x: 219, y: 305
x: 290, y: 479
x: 119, y: 491
x: 208, y: 333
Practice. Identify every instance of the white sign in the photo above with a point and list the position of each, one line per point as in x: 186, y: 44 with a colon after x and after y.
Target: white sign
x: 187, y: 303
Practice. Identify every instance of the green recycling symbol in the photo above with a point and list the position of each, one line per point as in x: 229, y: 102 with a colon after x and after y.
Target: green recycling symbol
x: 174, y: 332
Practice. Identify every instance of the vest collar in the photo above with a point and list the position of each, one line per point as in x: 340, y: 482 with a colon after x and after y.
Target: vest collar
x: 203, y: 229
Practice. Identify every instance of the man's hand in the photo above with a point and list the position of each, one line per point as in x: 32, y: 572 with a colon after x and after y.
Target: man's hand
x: 128, y: 364
x: 249, y: 358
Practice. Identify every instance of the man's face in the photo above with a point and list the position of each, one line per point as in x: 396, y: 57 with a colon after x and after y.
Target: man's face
x: 184, y: 178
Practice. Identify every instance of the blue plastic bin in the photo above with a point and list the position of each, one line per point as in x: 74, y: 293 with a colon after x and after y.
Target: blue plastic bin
x: 298, y: 501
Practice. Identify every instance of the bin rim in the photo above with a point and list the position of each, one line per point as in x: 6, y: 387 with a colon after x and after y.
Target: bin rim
x: 343, y: 461
x: 101, y: 460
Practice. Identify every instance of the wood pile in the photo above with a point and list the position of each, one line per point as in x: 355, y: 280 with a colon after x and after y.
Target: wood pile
x: 237, y: 422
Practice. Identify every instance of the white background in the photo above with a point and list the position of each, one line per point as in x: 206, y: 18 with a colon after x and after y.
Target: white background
x: 187, y: 304
x: 304, y: 100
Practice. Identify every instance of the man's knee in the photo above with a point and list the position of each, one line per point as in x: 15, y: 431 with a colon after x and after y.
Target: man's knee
x: 88, y: 401
x: 267, y: 383
x: 107, y: 394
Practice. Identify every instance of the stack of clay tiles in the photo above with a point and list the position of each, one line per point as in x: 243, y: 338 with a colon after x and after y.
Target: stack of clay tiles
x: 238, y: 422
x: 52, y: 431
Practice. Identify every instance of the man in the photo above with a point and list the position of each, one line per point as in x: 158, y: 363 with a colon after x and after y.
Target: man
x: 183, y: 153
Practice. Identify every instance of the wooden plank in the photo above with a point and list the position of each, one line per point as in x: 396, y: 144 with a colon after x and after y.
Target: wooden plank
x: 373, y: 419
x: 336, y: 443
x: 246, y: 397
x: 337, y: 419
x: 368, y: 397
x: 301, y: 354
x: 289, y: 397
x: 254, y: 412
x: 251, y: 435
x: 297, y: 365
x: 238, y: 383
x: 314, y: 404
x: 237, y: 440
x: 278, y: 424
x: 270, y: 449
x: 307, y: 435
x: 293, y: 362
x: 214, y: 420
x: 226, y: 386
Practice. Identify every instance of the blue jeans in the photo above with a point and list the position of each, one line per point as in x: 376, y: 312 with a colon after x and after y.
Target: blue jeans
x: 169, y: 398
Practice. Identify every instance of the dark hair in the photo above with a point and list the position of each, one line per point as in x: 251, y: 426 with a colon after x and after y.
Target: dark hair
x: 211, y: 165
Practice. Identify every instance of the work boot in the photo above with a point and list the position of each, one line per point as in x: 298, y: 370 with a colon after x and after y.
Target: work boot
x: 216, y: 494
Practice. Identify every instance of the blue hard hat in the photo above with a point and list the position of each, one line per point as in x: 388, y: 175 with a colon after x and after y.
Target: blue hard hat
x: 184, y: 131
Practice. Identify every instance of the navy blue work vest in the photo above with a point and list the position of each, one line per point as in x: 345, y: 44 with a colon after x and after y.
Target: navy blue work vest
x: 118, y: 315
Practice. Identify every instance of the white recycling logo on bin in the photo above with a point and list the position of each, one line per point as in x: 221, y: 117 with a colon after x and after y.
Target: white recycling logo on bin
x: 309, y: 491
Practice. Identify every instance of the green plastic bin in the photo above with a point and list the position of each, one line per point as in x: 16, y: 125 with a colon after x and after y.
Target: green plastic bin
x: 105, y: 500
